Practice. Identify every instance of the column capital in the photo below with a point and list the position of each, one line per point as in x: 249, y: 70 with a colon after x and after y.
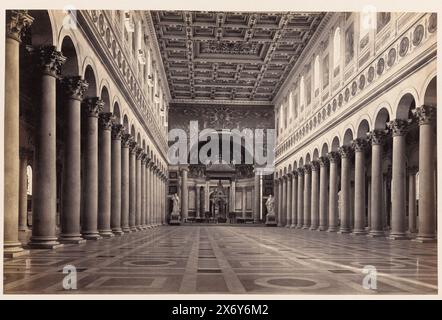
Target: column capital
x: 398, y: 127
x: 359, y: 144
x: 50, y: 60
x: 144, y: 159
x: 377, y: 136
x: 117, y: 131
x: 300, y: 172
x: 125, y: 140
x: 345, y: 152
x: 132, y: 146
x: 315, y: 165
x: 93, y: 106
x: 295, y: 173
x: 333, y: 156
x: 307, y: 169
x: 106, y: 120
x: 425, y: 114
x: 139, y: 153
x: 17, y: 21
x: 74, y: 87
x: 323, y: 162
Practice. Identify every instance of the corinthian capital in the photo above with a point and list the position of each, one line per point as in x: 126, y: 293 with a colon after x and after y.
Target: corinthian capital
x: 399, y: 127
x: 323, y: 161
x: 17, y: 21
x: 425, y: 114
x: 74, y: 87
x: 125, y: 140
x: 377, y: 137
x: 50, y: 60
x: 117, y: 131
x: 106, y: 120
x: 359, y: 144
x: 345, y: 152
x: 315, y: 165
x: 93, y: 106
x: 333, y: 157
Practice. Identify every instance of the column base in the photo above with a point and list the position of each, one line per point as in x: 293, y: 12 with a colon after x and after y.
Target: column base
x: 322, y: 228
x: 305, y: 227
x: 118, y: 232
x: 359, y: 233
x: 313, y: 228
x: 332, y: 229
x: 287, y: 225
x: 43, y: 243
x: 422, y: 239
x: 299, y: 226
x: 344, y: 231
x: 24, y: 229
x: 13, y: 250
x: 376, y: 234
x: 72, y: 241
x: 400, y: 236
x: 139, y: 228
x: 293, y: 226
x: 133, y: 229
x: 126, y: 230
x: 106, y: 234
x: 91, y: 236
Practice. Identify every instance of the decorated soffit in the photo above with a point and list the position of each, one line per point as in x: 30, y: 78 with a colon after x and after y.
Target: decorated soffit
x: 230, y: 56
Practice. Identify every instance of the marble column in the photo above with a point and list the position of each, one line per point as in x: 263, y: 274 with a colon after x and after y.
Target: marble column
x: 294, y: 196
x: 74, y: 88
x: 23, y: 191
x: 198, y: 202
x: 16, y: 22
x: 89, y: 224
x: 147, y: 193
x: 151, y: 193
x: 288, y: 210
x: 144, y: 160
x: 307, y: 195
x: 257, y: 198
x: 243, y: 200
x: 398, y: 184
x: 283, y: 214
x: 125, y: 141
x: 377, y: 139
x: 44, y: 213
x: 139, y: 157
x: 300, y: 197
x: 427, y: 194
x: 412, y: 209
x: 157, y: 198
x: 104, y: 175
x: 117, y: 132
x: 184, y: 193
x: 359, y: 146
x: 333, y: 157
x: 323, y: 193
x: 315, y: 196
x: 346, y: 154
x: 132, y: 184
x: 280, y: 200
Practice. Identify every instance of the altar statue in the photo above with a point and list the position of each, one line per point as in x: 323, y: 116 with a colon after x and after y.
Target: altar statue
x: 270, y: 204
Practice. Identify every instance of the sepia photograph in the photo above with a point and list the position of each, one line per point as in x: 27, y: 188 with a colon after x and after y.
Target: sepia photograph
x: 247, y: 153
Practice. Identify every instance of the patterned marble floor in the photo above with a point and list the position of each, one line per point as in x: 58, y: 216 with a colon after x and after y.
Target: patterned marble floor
x: 228, y: 259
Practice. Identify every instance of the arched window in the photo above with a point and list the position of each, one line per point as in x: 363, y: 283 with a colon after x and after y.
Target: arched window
x: 316, y: 76
x: 302, y: 93
x: 29, y: 180
x: 336, y: 48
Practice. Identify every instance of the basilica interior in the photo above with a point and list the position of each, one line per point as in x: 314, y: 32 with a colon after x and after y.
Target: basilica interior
x: 345, y: 102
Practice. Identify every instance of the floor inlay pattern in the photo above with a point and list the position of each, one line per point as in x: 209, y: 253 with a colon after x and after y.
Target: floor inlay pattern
x: 228, y: 259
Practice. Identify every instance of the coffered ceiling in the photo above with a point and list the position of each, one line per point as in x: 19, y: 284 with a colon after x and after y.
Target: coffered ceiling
x: 230, y: 56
